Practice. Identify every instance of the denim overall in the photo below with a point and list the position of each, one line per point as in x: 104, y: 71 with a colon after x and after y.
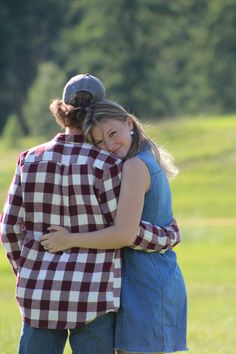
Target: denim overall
x: 152, y: 316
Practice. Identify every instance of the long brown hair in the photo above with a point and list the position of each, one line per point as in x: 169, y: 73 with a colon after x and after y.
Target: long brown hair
x: 107, y: 109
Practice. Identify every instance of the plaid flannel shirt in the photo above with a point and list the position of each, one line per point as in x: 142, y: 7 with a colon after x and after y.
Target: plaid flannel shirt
x: 70, y: 183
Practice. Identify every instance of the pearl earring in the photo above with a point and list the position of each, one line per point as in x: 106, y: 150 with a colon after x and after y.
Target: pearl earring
x: 131, y: 132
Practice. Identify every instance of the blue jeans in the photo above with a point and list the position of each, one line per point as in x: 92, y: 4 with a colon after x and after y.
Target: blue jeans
x: 97, y: 337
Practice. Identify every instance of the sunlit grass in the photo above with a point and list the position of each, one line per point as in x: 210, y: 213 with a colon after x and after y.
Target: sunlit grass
x: 204, y: 203
x: 207, y: 258
x: 205, y: 151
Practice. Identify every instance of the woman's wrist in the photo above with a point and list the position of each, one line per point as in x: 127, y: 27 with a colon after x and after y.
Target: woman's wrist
x: 72, y: 240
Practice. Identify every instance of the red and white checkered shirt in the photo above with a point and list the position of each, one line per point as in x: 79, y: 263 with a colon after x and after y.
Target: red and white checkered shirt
x: 70, y: 183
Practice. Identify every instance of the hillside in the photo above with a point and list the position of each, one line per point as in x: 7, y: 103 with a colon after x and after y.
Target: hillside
x: 205, y: 151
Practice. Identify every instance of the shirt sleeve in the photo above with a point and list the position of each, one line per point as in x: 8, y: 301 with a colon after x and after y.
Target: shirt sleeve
x: 109, y: 192
x: 153, y: 238
x: 11, y: 223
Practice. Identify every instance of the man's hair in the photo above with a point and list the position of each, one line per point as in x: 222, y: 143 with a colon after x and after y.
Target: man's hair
x: 68, y: 116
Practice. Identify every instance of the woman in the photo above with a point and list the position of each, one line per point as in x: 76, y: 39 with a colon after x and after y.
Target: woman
x: 152, y: 317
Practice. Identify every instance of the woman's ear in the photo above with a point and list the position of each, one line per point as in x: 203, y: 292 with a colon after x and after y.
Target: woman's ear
x: 130, y: 123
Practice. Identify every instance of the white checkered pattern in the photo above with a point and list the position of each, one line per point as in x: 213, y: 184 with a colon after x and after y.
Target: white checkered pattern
x: 67, y: 182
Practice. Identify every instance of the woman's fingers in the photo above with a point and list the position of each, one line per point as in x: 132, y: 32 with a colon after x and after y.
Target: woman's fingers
x: 47, y: 246
x: 45, y: 242
x: 44, y: 237
x: 56, y: 228
x: 54, y: 241
x: 52, y: 228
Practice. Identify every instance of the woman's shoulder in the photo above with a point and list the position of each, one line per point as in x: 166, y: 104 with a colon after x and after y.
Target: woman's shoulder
x: 134, y: 164
x: 137, y: 172
x: 148, y: 157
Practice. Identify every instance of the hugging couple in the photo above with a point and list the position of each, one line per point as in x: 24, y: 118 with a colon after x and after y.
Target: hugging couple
x: 89, y: 232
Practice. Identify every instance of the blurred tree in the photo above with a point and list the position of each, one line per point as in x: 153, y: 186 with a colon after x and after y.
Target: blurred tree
x: 12, y: 131
x: 221, y: 73
x: 117, y: 42
x: 28, y: 27
x: 156, y: 57
x: 47, y: 85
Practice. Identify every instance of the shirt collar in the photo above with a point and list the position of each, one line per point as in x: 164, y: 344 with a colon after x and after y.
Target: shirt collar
x: 69, y: 138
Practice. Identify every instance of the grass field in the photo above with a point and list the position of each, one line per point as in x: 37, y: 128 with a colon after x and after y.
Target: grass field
x: 204, y: 203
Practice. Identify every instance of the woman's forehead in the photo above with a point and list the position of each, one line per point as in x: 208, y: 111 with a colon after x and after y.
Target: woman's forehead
x: 106, y: 125
x: 109, y: 122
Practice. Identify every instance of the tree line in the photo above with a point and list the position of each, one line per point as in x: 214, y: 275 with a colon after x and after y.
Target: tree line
x: 158, y: 58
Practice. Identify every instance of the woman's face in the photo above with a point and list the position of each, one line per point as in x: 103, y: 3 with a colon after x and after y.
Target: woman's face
x: 113, y: 135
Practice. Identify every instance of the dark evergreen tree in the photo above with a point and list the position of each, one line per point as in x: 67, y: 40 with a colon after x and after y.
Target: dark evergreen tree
x: 156, y: 57
x: 28, y: 29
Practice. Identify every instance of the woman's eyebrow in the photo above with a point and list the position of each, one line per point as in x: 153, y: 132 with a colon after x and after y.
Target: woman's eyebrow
x: 109, y: 130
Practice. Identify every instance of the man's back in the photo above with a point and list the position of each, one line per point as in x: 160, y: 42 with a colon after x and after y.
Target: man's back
x: 69, y: 183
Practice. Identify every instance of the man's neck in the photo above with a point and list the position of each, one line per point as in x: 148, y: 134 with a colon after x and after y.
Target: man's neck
x: 73, y: 131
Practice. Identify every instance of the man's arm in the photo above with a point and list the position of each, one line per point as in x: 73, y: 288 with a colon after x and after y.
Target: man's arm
x: 155, y: 238
x: 11, y: 232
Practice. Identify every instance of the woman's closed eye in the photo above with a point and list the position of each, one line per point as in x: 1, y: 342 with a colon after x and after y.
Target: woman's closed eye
x: 98, y: 142
x: 111, y: 134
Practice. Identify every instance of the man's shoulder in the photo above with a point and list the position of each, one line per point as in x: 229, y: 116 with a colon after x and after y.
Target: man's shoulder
x: 101, y: 158
x: 34, y: 153
x: 77, y: 153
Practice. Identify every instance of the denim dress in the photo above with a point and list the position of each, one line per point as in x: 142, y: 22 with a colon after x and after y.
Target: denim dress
x: 152, y: 316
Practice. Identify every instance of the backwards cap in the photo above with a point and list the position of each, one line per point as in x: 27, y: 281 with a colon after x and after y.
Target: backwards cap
x: 85, y: 83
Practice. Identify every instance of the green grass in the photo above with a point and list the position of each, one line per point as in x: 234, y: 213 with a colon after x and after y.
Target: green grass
x: 207, y: 258
x: 205, y: 151
x: 204, y: 204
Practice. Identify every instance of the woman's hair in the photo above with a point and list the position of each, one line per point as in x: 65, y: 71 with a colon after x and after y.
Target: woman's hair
x: 70, y: 116
x: 107, y: 109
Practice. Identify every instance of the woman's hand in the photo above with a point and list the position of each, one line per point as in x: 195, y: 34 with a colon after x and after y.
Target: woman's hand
x: 59, y: 239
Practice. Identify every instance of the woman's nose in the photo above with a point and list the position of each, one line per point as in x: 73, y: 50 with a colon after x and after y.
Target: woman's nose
x: 109, y: 145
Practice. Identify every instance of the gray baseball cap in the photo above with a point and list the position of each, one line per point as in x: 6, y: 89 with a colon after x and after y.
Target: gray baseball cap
x: 83, y: 82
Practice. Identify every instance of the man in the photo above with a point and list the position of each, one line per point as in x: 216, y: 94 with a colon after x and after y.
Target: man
x: 69, y: 183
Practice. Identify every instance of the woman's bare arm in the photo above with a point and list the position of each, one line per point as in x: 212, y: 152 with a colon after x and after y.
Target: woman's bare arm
x: 134, y: 184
